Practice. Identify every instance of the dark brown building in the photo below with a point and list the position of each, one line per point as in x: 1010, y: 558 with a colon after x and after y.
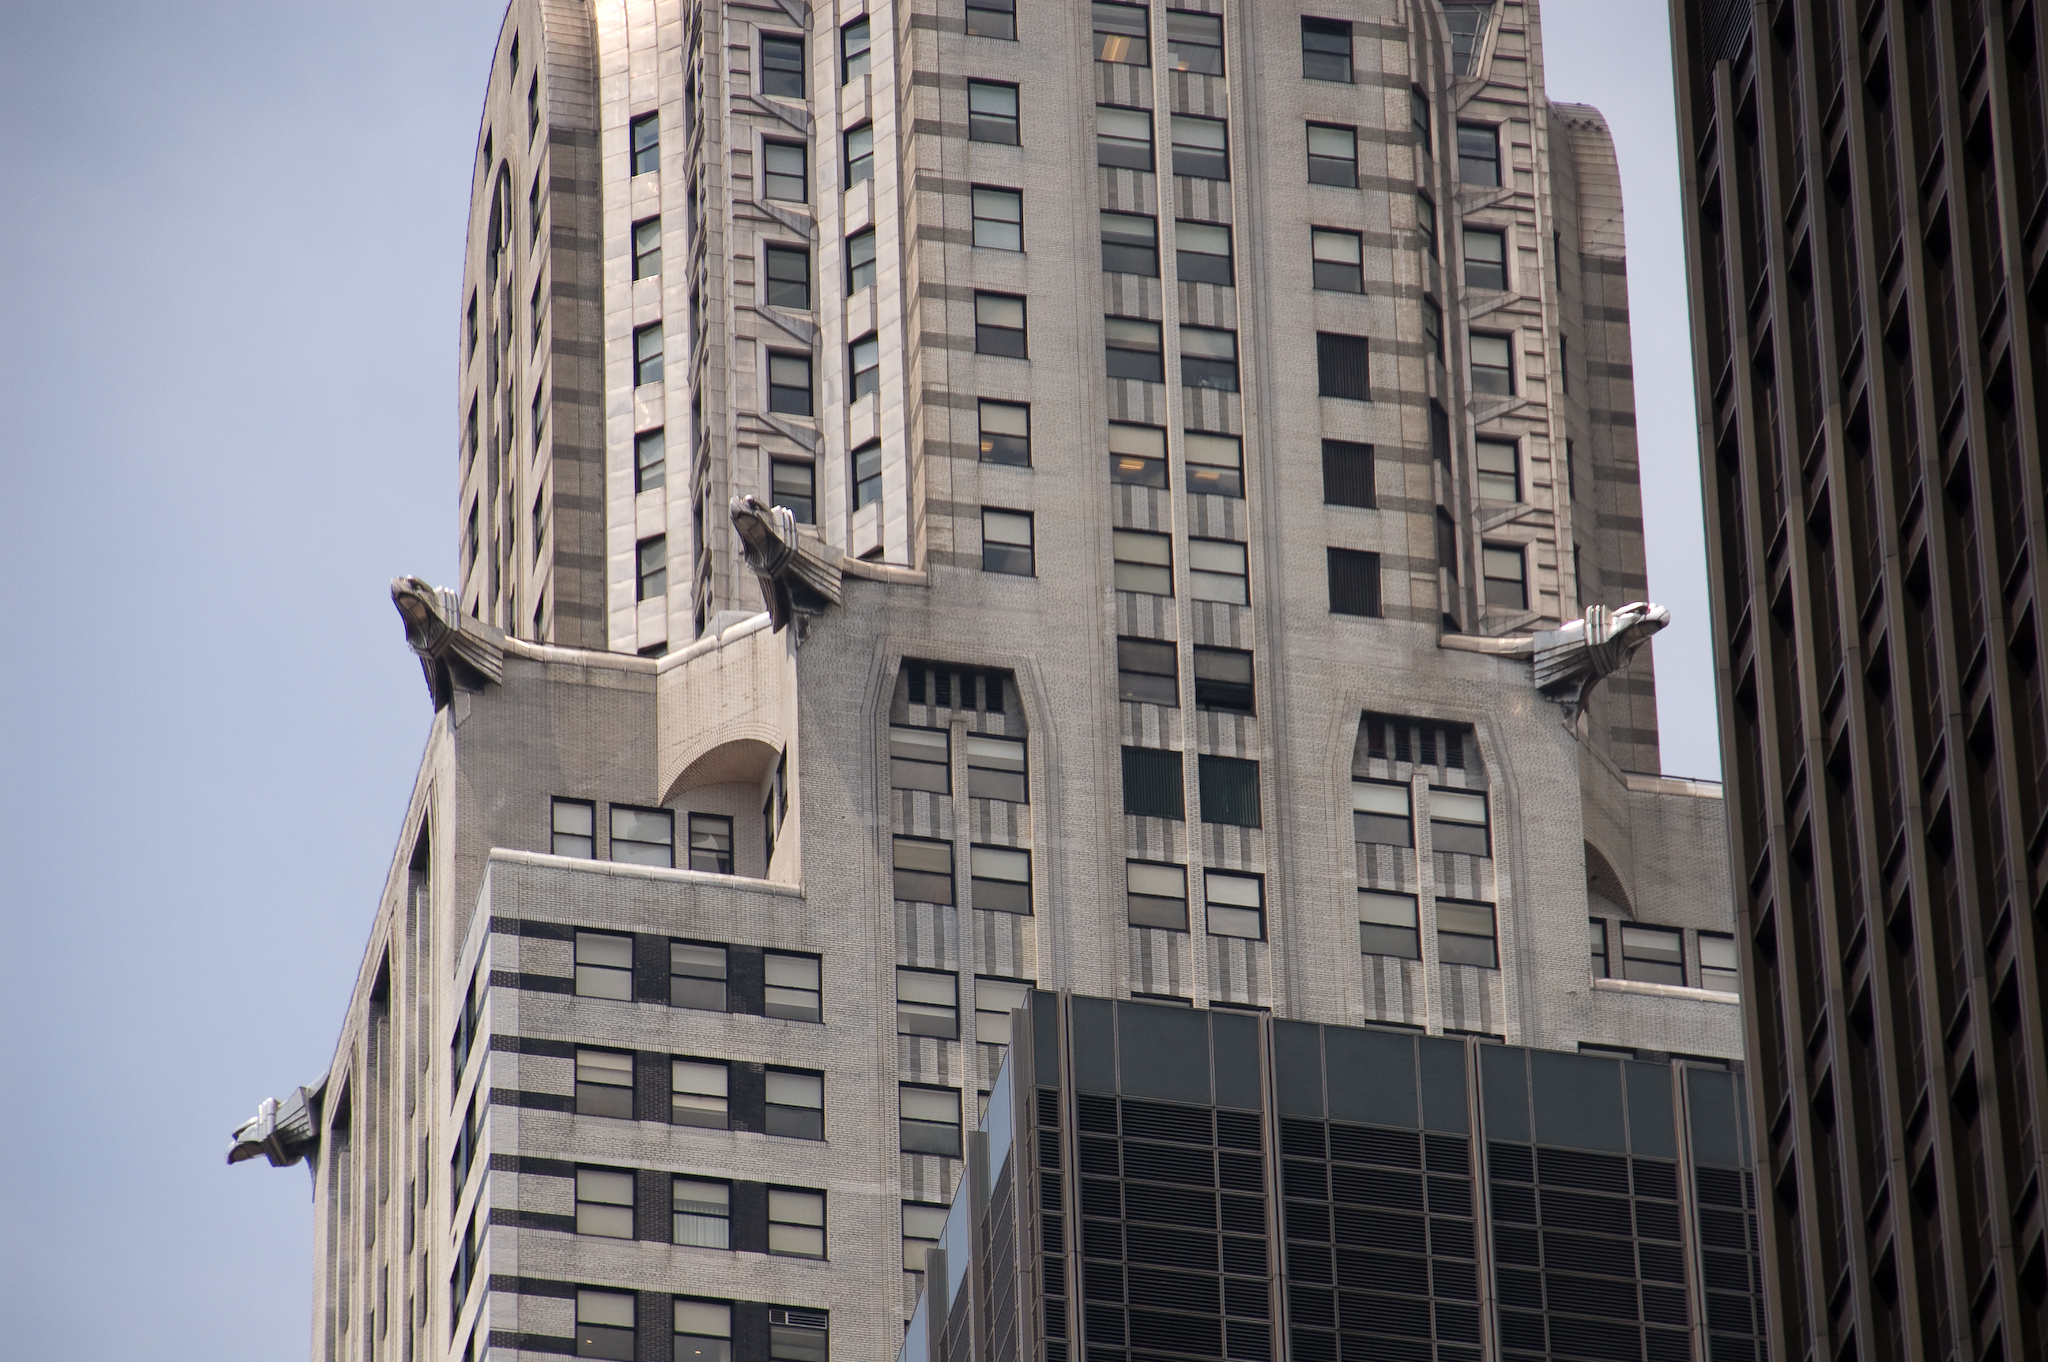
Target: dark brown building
x: 1867, y: 229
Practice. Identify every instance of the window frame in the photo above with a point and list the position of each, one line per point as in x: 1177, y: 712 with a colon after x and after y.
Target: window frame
x: 1173, y: 803
x: 677, y: 1215
x: 999, y: 892
x: 776, y: 287
x: 1176, y: 60
x: 771, y: 177
x: 1496, y: 269
x: 985, y: 17
x: 1009, y: 556
x: 904, y: 766
x: 771, y: 1107
x: 995, y: 123
x: 795, y: 1201
x: 643, y: 143
x: 1489, y: 379
x: 1137, y: 454
x: 1483, y: 171
x: 631, y: 812
x: 1453, y: 943
x: 1497, y: 483
x: 857, y: 160
x: 1003, y: 233
x: 783, y: 395
x: 860, y: 273
x: 928, y: 1016
x: 1208, y: 370
x: 1219, y: 570
x: 1198, y: 266
x: 1121, y: 146
x: 781, y: 42
x: 706, y: 1109
x: 1208, y: 475
x: 867, y: 473
x: 1328, y: 28
x: 1343, y: 366
x: 1167, y: 696
x: 1231, y: 909
x: 1224, y: 807
x: 597, y: 1070
x: 786, y: 997
x: 1123, y: 46
x: 1493, y: 556
x: 1225, y: 694
x: 1324, y: 168
x: 1636, y: 937
x: 990, y: 774
x: 854, y: 62
x: 597, y: 1314
x: 781, y: 492
x: 1145, y: 908
x: 1373, y: 820
x: 1142, y: 568
x: 863, y: 367
x: 1334, y: 273
x: 723, y: 978
x: 929, y: 1127
x: 1127, y: 329
x: 1355, y: 486
x: 938, y: 1213
x: 648, y: 360
x: 930, y: 876
x: 998, y: 339
x: 556, y: 832
x: 1389, y: 924
x: 593, y: 1188
x: 711, y: 826
x: 650, y: 562
x: 1126, y: 253
x: 650, y: 475
x: 1008, y: 448
x: 1363, y: 566
x: 983, y: 1026
x: 1200, y: 160
x: 1711, y: 974
x: 641, y: 254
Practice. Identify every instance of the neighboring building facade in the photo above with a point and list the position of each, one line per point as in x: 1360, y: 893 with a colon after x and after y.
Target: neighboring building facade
x: 1153, y: 1180
x: 1864, y: 210
x: 1179, y: 496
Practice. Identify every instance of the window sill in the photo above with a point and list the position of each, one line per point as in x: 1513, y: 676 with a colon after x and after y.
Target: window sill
x: 1702, y: 995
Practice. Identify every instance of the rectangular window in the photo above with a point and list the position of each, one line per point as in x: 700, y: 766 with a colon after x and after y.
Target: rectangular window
x: 1130, y: 244
x: 1137, y: 455
x: 927, y: 1003
x: 1458, y: 822
x: 922, y: 1226
x: 1425, y: 223
x: 532, y: 106
x: 796, y: 1223
x: 1133, y: 349
x: 796, y: 1335
x: 785, y: 172
x: 853, y: 51
x: 1123, y: 137
x: 646, y: 355
x: 999, y: 218
x: 1325, y: 49
x: 1505, y: 573
x: 645, y: 134
x: 782, y: 65
x: 1006, y: 543
x: 711, y: 843
x: 1493, y: 369
x: 864, y: 361
x: 1201, y: 147
x: 533, y: 311
x: 1001, y: 879
x: 1348, y: 474
x: 1123, y: 34
x: 647, y: 248
x: 789, y: 277
x: 1719, y: 970
x: 994, y: 1000
x: 703, y: 1331
x: 650, y: 460
x: 1217, y: 571
x: 605, y: 1324
x: 860, y: 261
x: 1333, y: 155
x: 992, y: 19
x: 789, y: 383
x: 1418, y: 121
x: 1343, y: 367
x: 1230, y: 790
x: 924, y: 870
x: 1208, y: 358
x: 1236, y: 904
x: 1223, y: 680
x: 929, y: 1120
x: 1338, y: 260
x: 1433, y: 328
x: 992, y: 113
x: 999, y: 325
x: 794, y: 989
x: 702, y: 1213
x: 652, y: 559
x: 1479, y: 154
x: 604, y: 1084
x: 1388, y: 925
x: 860, y: 154
x: 796, y: 1104
x: 472, y: 339
x: 1381, y: 814
x: 867, y: 474
x: 1005, y: 433
x: 643, y: 836
x: 794, y: 485
x: 1215, y: 463
x: 1465, y: 934
x: 1153, y: 783
x: 573, y: 830
x: 1486, y: 259
x: 1596, y: 930
x: 1156, y: 895
x: 1143, y: 561
x: 604, y: 966
x: 604, y: 1203
x: 1652, y: 955
x: 920, y: 759
x: 995, y: 769
x: 1201, y: 252
x: 1500, y: 470
x: 1194, y: 42
x: 696, y: 976
x: 1147, y: 672
x: 699, y: 1093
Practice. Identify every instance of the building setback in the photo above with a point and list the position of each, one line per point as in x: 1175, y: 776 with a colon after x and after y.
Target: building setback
x: 960, y: 498
x: 1864, y: 211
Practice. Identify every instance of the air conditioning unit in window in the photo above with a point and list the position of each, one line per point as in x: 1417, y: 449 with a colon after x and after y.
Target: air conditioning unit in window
x: 802, y: 1319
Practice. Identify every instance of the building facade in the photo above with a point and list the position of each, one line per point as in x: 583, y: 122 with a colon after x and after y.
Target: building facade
x: 1864, y: 207
x: 960, y: 498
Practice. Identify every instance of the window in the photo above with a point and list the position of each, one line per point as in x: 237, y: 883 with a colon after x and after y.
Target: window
x: 1325, y: 49
x: 604, y: 1324
x: 1215, y: 463
x: 1130, y: 244
x: 1236, y: 904
x: 702, y: 1213
x: 796, y: 1104
x: 652, y: 560
x: 991, y: 112
x: 785, y: 172
x: 992, y: 19
x: 696, y: 976
x: 703, y: 1331
x: 788, y: 271
x: 1339, y: 260
x: 999, y: 325
x: 1001, y: 879
x: 1597, y: 931
x: 1486, y: 259
x: 1208, y: 358
x: 789, y: 383
x: 1493, y: 369
x: 1201, y: 252
x: 1230, y: 790
x: 1467, y: 23
x: 1143, y: 561
x: 920, y: 759
x: 1153, y: 783
x: 796, y: 1223
x: 604, y: 966
x: 1137, y: 455
x: 864, y: 361
x: 604, y: 1084
x: 532, y: 107
x: 574, y: 828
x: 1348, y: 474
x: 794, y: 989
x: 1418, y: 121
x: 1223, y: 679
x: 796, y: 1335
x: 1388, y: 925
x: 1201, y: 147
x: 1564, y: 358
x: 994, y: 1001
x: 1425, y: 223
x: 860, y: 154
x: 711, y: 843
x: 1123, y: 33
x: 1500, y: 470
x: 929, y: 1120
x: 1457, y: 822
x: 699, y: 1093
x: 782, y: 66
x: 867, y: 474
x: 1123, y: 137
x: 472, y: 337
x: 1005, y: 433
x: 853, y: 51
x: 643, y: 836
x: 1333, y: 155
x: 645, y: 132
x: 999, y: 218
x: 1194, y: 42
x: 1652, y: 955
x: 1147, y: 672
x: 1006, y: 542
x: 1433, y: 328
x: 794, y: 485
x: 1217, y: 572
x: 1464, y: 934
x: 650, y: 460
x: 860, y: 261
x: 924, y: 870
x: 1343, y: 367
x: 1718, y: 968
x: 646, y: 355
x: 647, y: 248
x: 1479, y: 154
x: 604, y: 1203
x: 927, y: 1003
x: 922, y: 1226
x: 1133, y: 349
x: 1381, y: 814
x: 534, y: 306
x: 1156, y: 895
x: 1506, y: 584
x: 995, y: 769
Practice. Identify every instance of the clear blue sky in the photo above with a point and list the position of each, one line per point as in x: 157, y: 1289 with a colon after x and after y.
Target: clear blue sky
x: 232, y: 240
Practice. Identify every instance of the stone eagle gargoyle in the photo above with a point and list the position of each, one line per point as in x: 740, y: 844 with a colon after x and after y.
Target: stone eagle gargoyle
x: 1569, y: 662
x: 284, y: 1132
x: 455, y: 653
x: 799, y: 572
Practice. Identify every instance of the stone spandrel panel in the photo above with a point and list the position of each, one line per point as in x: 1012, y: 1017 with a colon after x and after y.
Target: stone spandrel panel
x: 1240, y: 971
x: 1159, y: 962
x: 928, y: 935
x: 1394, y: 990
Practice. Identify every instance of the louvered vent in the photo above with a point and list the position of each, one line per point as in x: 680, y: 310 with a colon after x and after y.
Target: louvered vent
x: 1510, y: 1162
x: 1448, y: 1153
x: 1238, y: 1130
x: 1096, y: 1114
x: 1155, y: 1121
x: 1371, y: 1144
x: 1575, y: 1168
x: 1303, y: 1138
x: 1165, y: 1247
x: 1656, y: 1178
x: 1164, y: 1163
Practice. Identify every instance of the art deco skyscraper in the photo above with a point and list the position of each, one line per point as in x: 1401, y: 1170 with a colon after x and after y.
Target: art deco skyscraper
x: 971, y: 494
x: 1864, y: 207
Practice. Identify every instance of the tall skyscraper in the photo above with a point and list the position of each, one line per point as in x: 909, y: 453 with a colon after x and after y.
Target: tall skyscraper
x: 1864, y: 208
x: 966, y: 496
